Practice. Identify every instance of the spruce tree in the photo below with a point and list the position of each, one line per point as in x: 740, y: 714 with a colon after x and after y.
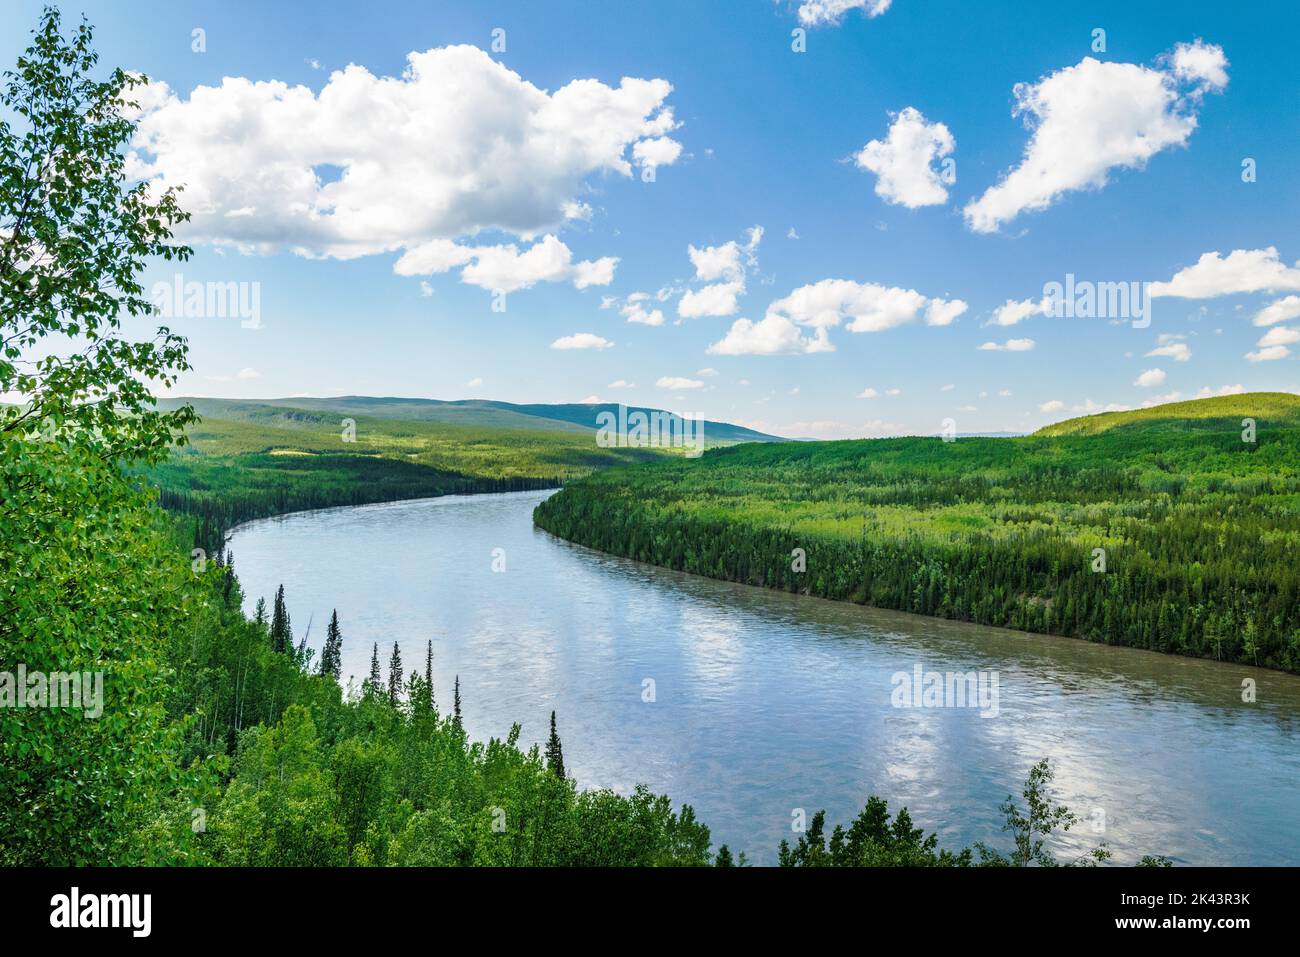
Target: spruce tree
x: 455, y: 703
x: 395, y: 676
x: 259, y: 613
x: 428, y: 679
x: 331, y: 656
x: 281, y: 630
x: 375, y: 682
x: 554, y: 752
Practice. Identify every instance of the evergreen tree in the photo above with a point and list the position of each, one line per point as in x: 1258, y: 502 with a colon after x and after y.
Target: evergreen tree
x: 281, y: 629
x: 428, y: 679
x: 375, y: 682
x: 455, y: 703
x: 554, y: 752
x: 259, y: 614
x: 331, y: 656
x: 395, y: 676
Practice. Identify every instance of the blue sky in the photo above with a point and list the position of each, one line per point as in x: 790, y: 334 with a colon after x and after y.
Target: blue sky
x: 765, y: 137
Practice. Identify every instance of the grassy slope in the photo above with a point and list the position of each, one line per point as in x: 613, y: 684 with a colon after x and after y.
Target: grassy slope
x: 1201, y: 528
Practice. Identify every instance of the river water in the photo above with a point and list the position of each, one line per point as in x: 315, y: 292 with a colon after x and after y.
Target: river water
x: 754, y: 705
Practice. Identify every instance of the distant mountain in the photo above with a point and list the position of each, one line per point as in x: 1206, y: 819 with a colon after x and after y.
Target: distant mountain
x: 482, y: 412
x: 1213, y: 414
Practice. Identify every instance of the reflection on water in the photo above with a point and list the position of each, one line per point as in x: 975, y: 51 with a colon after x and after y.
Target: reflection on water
x: 764, y: 702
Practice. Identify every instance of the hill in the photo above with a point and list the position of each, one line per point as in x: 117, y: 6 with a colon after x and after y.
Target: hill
x: 1197, y: 529
x: 1220, y: 413
x: 250, y: 459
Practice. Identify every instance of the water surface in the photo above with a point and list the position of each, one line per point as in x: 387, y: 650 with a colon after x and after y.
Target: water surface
x: 764, y: 703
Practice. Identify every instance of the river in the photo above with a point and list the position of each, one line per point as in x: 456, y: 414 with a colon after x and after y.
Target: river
x: 753, y: 706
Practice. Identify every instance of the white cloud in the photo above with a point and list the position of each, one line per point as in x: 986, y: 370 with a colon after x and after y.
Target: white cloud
x: 1283, y: 310
x: 1242, y: 270
x: 1088, y: 407
x: 717, y: 299
x: 947, y: 388
x: 590, y: 400
x: 1011, y: 345
x: 1268, y: 354
x: 426, y: 289
x: 707, y: 372
x: 455, y: 145
x: 1013, y: 312
x: 1206, y: 392
x: 868, y: 393
x: 1280, y: 336
x: 1094, y: 117
x: 903, y: 161
x: 581, y: 340
x: 1052, y: 405
x: 724, y: 267
x: 248, y: 374
x: 814, y: 13
x: 822, y: 306
x: 621, y: 384
x: 1178, y: 351
x: 1162, y: 399
x: 635, y: 312
x: 1150, y: 378
x: 474, y: 382
x: 678, y: 382
x: 504, y: 268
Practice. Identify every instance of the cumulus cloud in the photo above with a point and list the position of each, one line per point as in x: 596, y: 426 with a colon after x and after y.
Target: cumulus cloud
x: 800, y: 322
x: 504, y: 268
x: 581, y: 340
x: 1282, y: 310
x: 724, y: 268
x: 634, y: 311
x: 1273, y: 345
x: 456, y: 145
x: 1242, y: 270
x: 1052, y: 405
x: 815, y: 13
x: 1013, y: 312
x: 1173, y: 348
x: 248, y: 373
x: 1150, y: 378
x: 1094, y: 117
x: 1011, y: 345
x: 1206, y: 392
x: 904, y: 161
x: 678, y: 382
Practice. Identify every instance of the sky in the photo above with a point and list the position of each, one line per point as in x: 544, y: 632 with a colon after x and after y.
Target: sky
x: 831, y: 218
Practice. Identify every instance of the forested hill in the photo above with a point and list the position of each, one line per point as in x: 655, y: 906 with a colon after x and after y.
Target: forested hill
x: 1197, y: 517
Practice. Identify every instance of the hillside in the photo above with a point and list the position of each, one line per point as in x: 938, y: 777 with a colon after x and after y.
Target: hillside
x: 250, y: 459
x: 1272, y: 409
x: 1199, y: 528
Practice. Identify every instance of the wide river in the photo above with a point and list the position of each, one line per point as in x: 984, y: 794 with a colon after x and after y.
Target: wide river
x: 750, y: 704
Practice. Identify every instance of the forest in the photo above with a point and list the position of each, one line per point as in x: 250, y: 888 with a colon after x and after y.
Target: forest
x: 1173, y: 529
x: 225, y: 740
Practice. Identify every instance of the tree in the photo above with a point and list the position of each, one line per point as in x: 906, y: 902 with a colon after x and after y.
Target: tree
x: 331, y: 656
x: 375, y: 682
x: 1042, y: 816
x: 428, y: 679
x: 259, y: 613
x: 87, y: 579
x: 281, y: 629
x: 455, y: 703
x: 395, y: 676
x: 554, y: 752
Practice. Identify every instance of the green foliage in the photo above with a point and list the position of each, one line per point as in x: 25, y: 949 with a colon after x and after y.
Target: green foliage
x: 1199, y: 528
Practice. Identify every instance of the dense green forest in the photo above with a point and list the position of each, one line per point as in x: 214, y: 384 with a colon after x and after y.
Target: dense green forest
x: 219, y: 739
x: 247, y: 460
x: 1194, y: 506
